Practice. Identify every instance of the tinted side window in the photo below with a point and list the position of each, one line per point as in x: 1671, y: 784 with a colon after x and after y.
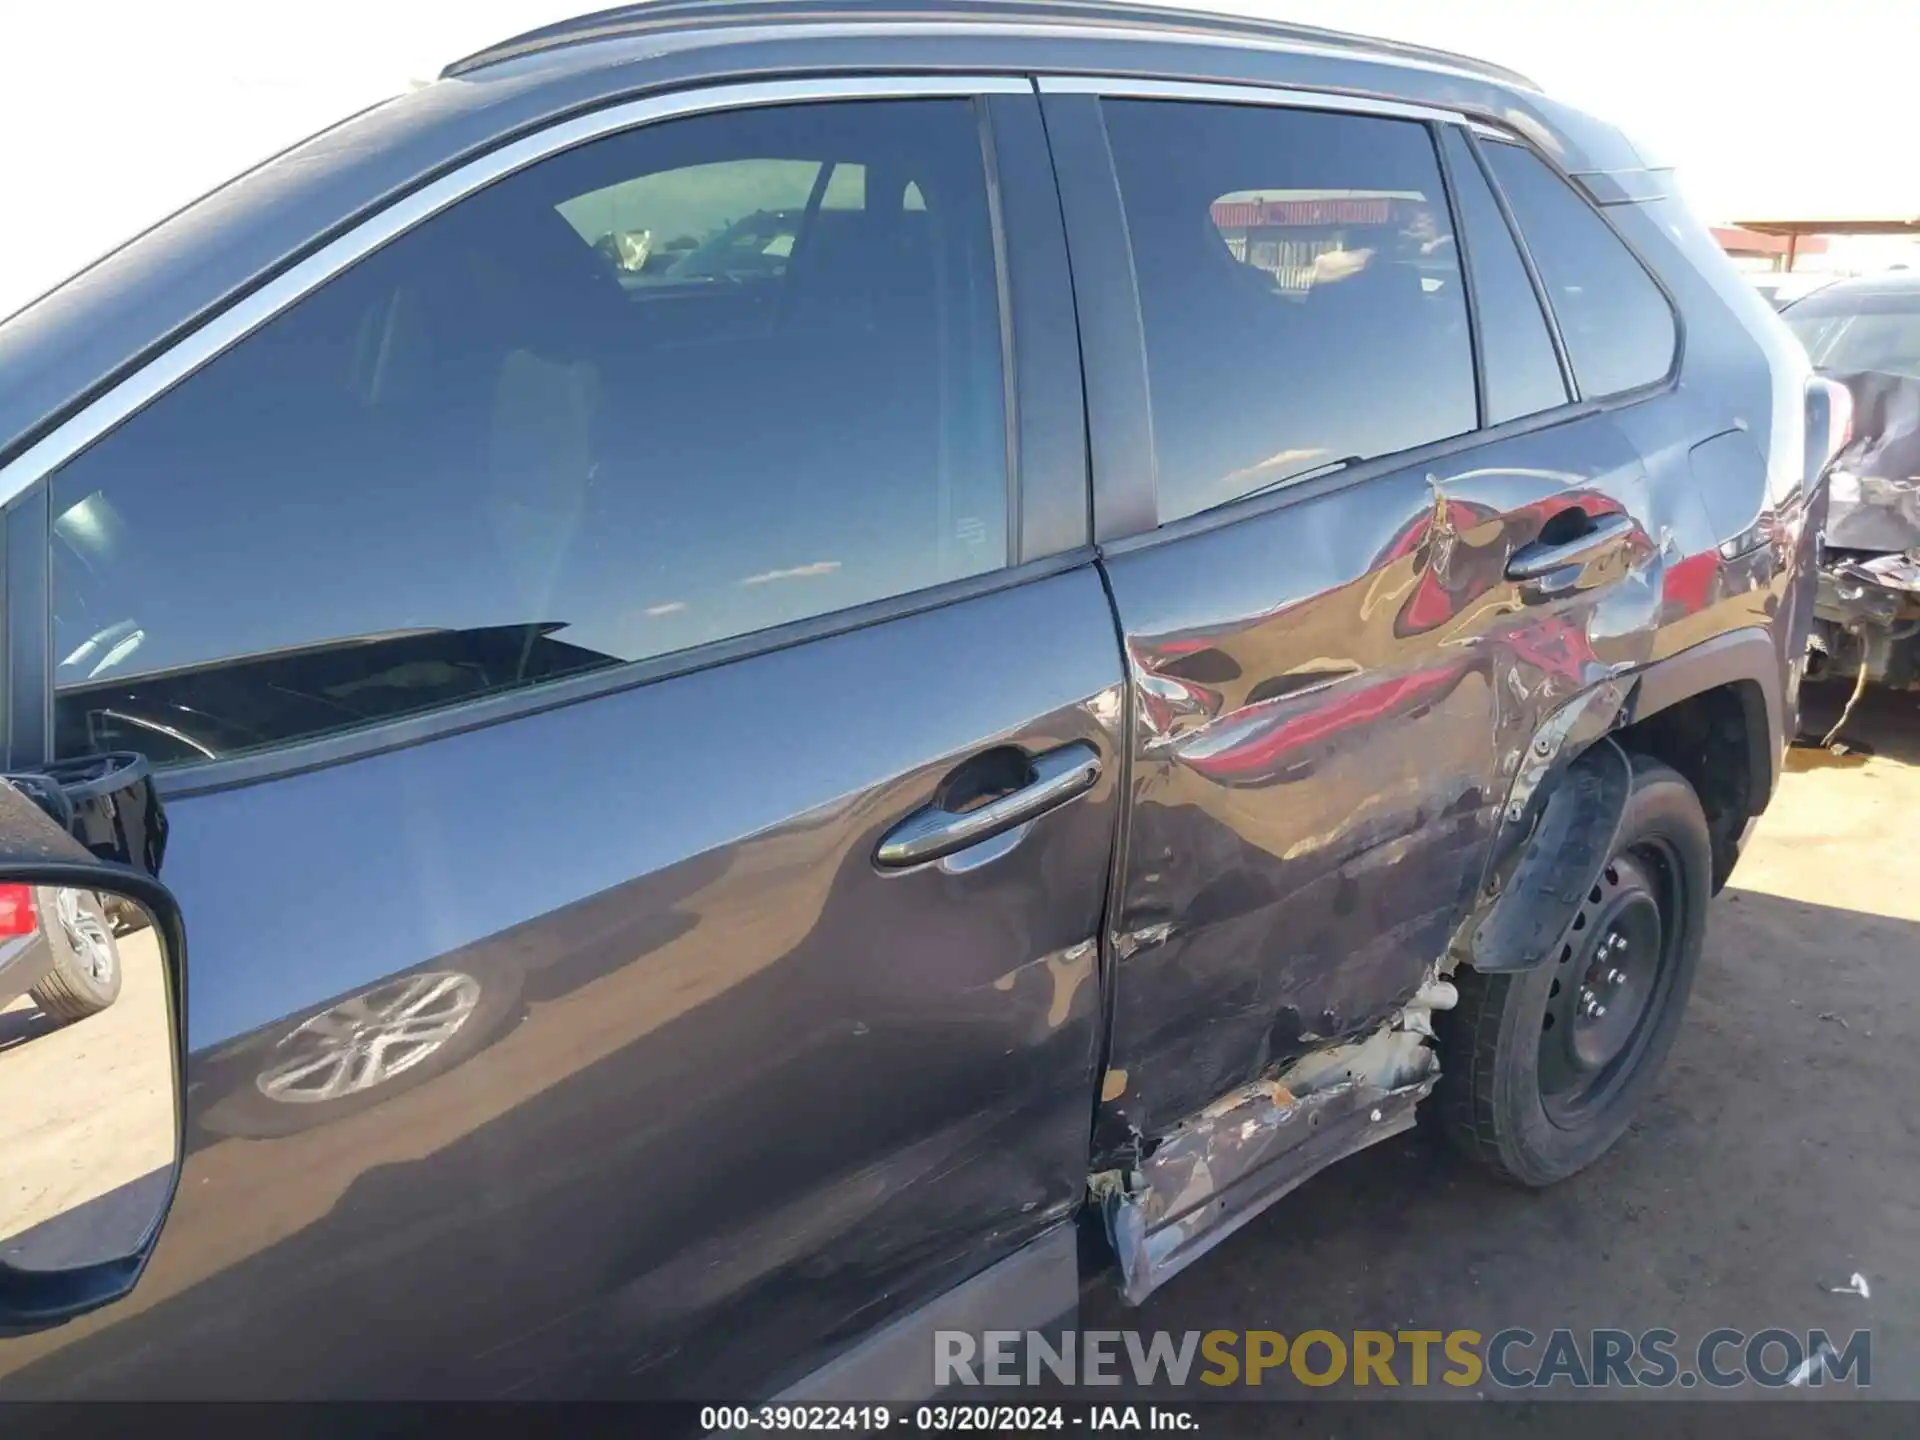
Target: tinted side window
x: 1522, y: 372
x: 1616, y: 324
x: 1853, y: 331
x: 1299, y: 288
x: 680, y: 384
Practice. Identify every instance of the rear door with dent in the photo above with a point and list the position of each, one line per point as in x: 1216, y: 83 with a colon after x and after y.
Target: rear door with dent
x: 1330, y: 419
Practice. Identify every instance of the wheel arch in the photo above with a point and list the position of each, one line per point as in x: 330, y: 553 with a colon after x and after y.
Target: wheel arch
x: 1713, y: 712
x: 1716, y: 713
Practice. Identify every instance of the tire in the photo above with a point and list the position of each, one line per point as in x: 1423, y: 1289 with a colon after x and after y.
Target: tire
x: 281, y: 1086
x: 1534, y: 1106
x: 85, y: 973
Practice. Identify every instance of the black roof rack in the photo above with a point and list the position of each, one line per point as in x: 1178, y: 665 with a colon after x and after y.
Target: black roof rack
x: 655, y: 15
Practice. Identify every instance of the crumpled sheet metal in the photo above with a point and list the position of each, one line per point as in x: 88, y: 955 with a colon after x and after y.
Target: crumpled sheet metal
x: 1891, y: 572
x: 1224, y: 1166
x: 1874, y: 485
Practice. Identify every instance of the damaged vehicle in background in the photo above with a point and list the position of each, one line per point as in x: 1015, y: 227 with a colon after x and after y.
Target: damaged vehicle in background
x: 1865, y: 335
x: 1180, y: 587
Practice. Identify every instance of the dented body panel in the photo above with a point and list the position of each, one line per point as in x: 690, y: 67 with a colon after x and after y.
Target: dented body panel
x: 1360, y: 684
x: 1218, y: 1170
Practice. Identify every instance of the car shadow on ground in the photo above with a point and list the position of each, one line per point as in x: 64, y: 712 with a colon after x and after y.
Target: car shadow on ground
x: 23, y: 1021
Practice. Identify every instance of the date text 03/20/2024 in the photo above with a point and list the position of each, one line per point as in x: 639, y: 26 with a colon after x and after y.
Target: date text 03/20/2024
x: 990, y: 1419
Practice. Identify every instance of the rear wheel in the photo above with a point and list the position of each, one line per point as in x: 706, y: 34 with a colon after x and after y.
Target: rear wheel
x: 1542, y: 1070
x: 85, y: 976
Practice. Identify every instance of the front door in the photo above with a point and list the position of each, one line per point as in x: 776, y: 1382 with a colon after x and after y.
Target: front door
x: 641, y: 800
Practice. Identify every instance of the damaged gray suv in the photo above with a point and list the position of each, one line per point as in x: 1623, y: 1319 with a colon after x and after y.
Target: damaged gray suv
x: 1166, y: 591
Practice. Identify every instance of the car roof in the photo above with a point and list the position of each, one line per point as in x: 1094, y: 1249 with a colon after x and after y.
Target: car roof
x: 657, y: 15
x: 1839, y: 294
x: 79, y: 339
x: 1892, y: 282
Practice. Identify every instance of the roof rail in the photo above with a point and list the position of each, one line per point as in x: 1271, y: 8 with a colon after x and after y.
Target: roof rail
x: 655, y: 15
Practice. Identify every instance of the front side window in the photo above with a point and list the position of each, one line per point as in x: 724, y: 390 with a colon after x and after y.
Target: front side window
x: 1617, y: 326
x: 1299, y: 288
x: 677, y: 385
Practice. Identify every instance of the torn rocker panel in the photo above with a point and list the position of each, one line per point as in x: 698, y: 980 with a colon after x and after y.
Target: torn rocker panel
x: 1215, y: 1172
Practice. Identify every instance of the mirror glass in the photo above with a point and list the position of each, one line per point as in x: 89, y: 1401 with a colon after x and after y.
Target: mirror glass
x: 88, y: 1110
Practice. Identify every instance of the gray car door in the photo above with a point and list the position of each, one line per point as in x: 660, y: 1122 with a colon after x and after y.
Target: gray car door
x: 641, y: 747
x: 1329, y: 454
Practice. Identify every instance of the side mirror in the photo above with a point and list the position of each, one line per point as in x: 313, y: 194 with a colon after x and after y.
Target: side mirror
x: 92, y: 1053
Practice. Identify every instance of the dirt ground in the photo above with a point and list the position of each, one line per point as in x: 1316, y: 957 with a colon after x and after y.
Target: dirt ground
x: 1779, y: 1156
x: 100, y: 1114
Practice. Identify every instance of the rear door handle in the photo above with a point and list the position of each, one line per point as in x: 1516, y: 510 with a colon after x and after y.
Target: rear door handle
x: 1542, y: 559
x: 932, y: 831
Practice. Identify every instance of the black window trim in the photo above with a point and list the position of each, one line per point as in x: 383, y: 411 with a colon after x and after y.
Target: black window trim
x: 28, y: 620
x: 1518, y: 236
x: 1463, y: 252
x: 1003, y: 314
x: 1106, y: 294
x: 26, y: 479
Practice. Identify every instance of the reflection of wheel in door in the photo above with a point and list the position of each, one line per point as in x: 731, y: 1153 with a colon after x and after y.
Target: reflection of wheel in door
x: 85, y: 975
x: 364, y: 1049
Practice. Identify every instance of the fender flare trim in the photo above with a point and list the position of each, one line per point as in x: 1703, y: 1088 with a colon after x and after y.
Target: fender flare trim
x: 1565, y: 852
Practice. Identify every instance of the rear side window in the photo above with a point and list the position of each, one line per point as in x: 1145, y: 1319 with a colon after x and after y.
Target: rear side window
x: 1522, y: 372
x: 677, y: 385
x: 1616, y: 324
x: 1300, y: 292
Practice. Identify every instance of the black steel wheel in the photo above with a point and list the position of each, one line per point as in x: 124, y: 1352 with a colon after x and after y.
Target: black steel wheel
x: 1541, y: 1070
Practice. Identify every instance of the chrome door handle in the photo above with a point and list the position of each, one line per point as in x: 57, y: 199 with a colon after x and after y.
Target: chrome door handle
x: 931, y: 832
x: 1539, y: 560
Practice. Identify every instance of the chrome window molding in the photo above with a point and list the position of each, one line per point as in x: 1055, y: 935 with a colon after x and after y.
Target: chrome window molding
x: 229, y: 326
x: 1121, y: 87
